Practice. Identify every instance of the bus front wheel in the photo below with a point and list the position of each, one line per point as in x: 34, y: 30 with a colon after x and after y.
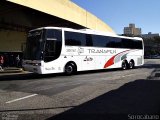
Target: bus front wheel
x: 70, y: 69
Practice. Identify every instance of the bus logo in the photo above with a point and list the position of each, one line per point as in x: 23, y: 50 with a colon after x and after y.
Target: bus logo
x: 80, y: 50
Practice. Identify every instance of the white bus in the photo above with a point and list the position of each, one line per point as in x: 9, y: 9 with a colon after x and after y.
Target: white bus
x: 54, y: 50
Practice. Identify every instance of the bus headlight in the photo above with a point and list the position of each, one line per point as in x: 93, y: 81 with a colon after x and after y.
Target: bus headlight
x: 37, y: 64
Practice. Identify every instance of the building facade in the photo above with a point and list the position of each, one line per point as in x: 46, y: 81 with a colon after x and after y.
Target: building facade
x: 17, y: 17
x: 132, y: 30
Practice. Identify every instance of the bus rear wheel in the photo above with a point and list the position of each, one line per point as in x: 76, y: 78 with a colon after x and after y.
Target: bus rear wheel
x: 124, y: 65
x: 131, y: 64
x: 70, y: 69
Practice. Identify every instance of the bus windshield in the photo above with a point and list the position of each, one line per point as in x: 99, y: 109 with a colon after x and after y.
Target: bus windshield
x: 34, y: 46
x: 44, y: 45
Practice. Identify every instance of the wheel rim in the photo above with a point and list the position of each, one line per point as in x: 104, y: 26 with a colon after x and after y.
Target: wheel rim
x: 69, y: 69
x: 124, y: 66
x: 131, y: 65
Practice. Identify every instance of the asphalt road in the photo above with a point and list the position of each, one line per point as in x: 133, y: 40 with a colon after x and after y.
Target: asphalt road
x: 107, y: 94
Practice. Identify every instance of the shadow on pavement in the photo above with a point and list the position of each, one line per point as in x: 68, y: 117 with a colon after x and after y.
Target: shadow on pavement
x: 134, y: 98
x: 30, y: 76
x: 25, y: 76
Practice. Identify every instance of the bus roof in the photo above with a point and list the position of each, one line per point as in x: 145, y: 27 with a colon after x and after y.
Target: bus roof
x: 88, y: 31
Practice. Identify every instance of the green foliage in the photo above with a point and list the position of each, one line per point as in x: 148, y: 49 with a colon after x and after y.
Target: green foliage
x: 152, y: 46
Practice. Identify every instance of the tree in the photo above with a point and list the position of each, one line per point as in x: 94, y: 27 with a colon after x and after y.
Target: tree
x: 152, y: 46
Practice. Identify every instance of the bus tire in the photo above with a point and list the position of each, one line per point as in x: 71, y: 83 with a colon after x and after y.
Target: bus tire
x: 124, y: 65
x: 131, y: 64
x: 70, y: 68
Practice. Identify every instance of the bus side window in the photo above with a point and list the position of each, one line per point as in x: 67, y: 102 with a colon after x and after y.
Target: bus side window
x: 89, y: 40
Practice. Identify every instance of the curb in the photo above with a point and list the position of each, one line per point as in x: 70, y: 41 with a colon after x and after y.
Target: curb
x: 11, y: 71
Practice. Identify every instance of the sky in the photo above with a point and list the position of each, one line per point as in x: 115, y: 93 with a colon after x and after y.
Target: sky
x: 119, y: 13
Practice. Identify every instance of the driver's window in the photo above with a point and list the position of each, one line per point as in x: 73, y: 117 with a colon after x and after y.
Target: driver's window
x: 53, y: 38
x: 50, y: 50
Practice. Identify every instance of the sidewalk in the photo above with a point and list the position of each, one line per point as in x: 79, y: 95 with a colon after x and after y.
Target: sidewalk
x: 11, y: 70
